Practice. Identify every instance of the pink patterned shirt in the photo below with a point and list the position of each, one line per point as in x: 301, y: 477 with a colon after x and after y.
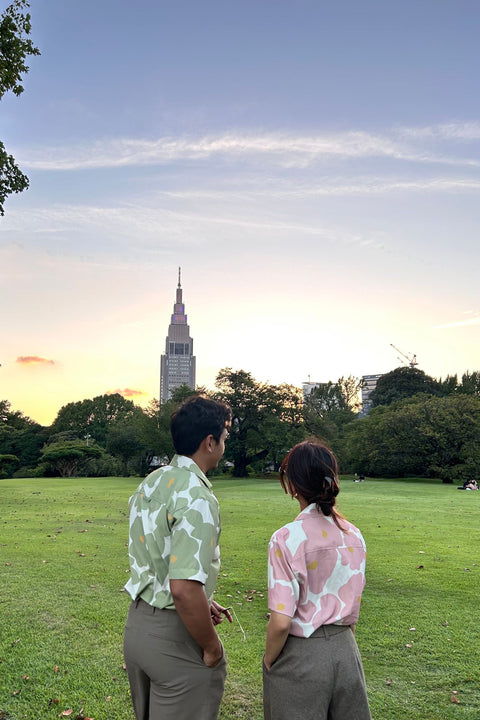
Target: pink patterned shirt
x: 316, y: 572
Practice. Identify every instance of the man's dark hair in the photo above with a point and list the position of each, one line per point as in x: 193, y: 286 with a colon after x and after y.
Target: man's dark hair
x: 196, y: 418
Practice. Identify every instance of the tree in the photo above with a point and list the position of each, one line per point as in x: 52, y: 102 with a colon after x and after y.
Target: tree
x: 330, y: 406
x: 283, y: 427
x: 386, y: 443
x: 350, y: 388
x: 15, y: 47
x: 450, y: 428
x: 94, y: 417
x: 124, y: 440
x: 156, y: 432
x: 20, y: 436
x: 425, y: 436
x: 448, y: 385
x: 67, y: 457
x: 13, y: 418
x: 182, y: 392
x: 147, y: 436
x: 470, y: 384
x: 259, y: 412
x: 401, y: 383
x: 6, y: 461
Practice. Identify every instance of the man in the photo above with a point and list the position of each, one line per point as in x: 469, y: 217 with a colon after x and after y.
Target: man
x: 175, y: 660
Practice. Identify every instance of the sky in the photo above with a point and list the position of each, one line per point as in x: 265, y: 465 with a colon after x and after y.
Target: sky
x: 312, y: 166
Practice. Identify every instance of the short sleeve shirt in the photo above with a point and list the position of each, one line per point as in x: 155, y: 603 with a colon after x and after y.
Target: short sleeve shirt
x: 174, y: 533
x: 316, y: 572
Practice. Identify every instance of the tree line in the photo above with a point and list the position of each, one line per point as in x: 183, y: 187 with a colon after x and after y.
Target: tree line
x: 417, y: 426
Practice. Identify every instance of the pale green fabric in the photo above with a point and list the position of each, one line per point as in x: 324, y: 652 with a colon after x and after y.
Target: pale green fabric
x: 174, y: 533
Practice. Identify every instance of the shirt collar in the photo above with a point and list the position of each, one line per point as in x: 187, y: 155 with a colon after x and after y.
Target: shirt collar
x: 186, y: 463
x: 310, y: 510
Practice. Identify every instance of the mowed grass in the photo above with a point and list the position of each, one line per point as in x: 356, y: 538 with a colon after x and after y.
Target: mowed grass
x: 63, y: 563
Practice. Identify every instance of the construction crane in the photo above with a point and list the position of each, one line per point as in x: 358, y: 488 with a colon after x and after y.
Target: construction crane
x: 412, y: 359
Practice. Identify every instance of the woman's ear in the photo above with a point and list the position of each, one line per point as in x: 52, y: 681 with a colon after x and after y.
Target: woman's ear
x: 291, y: 490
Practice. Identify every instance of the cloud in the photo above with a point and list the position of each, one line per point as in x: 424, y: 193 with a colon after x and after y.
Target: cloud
x: 460, y: 323
x: 33, y: 360
x: 127, y: 392
x: 445, y: 131
x: 183, y: 214
x: 281, y: 148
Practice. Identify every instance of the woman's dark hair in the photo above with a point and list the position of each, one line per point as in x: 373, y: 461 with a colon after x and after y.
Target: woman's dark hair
x: 312, y: 470
x: 194, y: 420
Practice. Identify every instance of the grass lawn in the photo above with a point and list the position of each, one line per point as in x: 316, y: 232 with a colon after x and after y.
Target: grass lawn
x: 63, y: 563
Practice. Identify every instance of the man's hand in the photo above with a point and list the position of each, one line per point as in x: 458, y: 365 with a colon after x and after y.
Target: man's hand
x: 211, y: 658
x: 217, y: 612
x: 193, y: 608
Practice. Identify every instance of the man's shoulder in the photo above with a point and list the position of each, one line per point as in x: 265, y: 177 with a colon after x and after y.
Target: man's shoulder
x: 155, y: 479
x: 177, y: 479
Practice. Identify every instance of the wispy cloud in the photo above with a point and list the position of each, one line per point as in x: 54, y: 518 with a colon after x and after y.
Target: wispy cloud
x: 362, y: 186
x: 282, y: 149
x: 444, y: 131
x: 154, y: 216
x: 33, y: 360
x: 127, y: 392
x: 188, y: 227
x: 460, y: 323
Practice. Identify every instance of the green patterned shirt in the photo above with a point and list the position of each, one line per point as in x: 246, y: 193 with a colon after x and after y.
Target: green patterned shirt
x: 174, y: 532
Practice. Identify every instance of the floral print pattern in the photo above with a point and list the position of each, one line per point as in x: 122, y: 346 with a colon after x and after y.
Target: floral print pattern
x: 316, y: 572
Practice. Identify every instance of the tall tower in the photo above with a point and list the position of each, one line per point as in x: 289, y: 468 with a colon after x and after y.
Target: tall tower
x: 177, y: 365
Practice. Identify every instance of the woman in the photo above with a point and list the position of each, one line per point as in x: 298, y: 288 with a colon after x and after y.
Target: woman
x: 316, y: 573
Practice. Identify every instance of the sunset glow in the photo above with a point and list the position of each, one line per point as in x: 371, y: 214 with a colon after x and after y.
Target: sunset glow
x: 312, y: 167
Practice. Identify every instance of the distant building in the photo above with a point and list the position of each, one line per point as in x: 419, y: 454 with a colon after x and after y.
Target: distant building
x: 308, y: 388
x: 177, y: 365
x: 369, y: 383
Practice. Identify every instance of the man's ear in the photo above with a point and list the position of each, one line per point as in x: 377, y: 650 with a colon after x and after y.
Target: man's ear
x: 208, y: 443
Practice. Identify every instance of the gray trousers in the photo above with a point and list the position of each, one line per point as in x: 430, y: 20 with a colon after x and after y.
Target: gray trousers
x: 168, y: 678
x: 317, y: 678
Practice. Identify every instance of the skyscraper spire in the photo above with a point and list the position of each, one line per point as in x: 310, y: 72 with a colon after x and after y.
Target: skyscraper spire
x: 177, y: 365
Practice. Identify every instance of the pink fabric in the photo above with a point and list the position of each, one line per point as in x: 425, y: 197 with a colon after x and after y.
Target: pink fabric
x: 316, y: 572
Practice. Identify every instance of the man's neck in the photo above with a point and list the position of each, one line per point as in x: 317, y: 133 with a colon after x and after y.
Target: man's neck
x: 201, y: 461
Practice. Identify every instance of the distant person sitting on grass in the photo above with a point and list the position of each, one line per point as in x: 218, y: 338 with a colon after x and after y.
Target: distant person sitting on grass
x: 468, y: 485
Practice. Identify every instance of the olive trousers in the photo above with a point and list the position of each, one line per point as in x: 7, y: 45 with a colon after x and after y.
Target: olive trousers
x: 167, y: 675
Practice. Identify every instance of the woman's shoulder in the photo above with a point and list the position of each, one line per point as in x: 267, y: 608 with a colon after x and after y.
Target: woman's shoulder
x: 352, y: 534
x: 317, y: 524
x: 292, y: 529
x: 308, y: 525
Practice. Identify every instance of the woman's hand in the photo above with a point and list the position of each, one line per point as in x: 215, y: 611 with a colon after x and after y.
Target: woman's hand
x: 277, y: 633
